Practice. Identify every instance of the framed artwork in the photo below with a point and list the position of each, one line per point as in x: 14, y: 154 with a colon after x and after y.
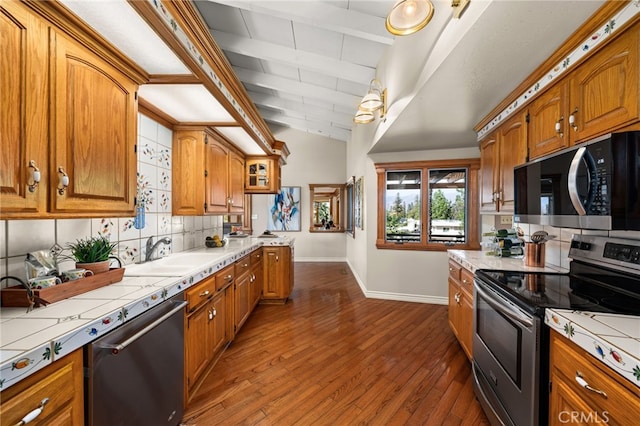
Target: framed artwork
x: 284, y: 209
x: 357, y: 209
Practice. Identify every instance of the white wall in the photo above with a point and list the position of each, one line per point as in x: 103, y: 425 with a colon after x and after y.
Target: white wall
x: 314, y: 159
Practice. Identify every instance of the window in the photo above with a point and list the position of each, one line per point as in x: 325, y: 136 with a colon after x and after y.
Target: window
x: 430, y: 205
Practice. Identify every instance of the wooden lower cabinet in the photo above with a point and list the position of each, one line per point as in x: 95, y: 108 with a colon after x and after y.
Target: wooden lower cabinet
x: 206, y: 329
x: 256, y: 277
x: 609, y: 399
x: 60, y: 382
x: 461, y: 306
x: 277, y: 274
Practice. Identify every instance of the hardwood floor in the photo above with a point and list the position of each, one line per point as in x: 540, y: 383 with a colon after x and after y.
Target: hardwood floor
x: 332, y: 357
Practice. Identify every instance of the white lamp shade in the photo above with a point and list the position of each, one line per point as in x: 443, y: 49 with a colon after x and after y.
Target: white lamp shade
x: 363, y: 117
x: 371, y: 102
x: 409, y: 16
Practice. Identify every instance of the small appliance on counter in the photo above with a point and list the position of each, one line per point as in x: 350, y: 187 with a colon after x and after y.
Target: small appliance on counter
x: 506, y: 243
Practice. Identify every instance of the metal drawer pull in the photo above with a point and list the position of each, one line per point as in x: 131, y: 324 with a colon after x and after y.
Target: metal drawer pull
x: 35, y: 413
x: 228, y: 277
x: 582, y: 382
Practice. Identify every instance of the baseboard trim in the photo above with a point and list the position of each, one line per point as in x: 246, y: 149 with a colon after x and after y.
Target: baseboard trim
x: 400, y: 297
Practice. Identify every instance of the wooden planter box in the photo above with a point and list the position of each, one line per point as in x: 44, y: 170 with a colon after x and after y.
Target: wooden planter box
x: 16, y: 296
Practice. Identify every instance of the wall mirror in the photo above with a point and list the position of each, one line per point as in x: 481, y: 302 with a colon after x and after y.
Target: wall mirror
x: 326, y: 207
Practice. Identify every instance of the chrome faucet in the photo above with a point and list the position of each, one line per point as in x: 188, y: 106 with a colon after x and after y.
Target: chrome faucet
x: 151, y: 247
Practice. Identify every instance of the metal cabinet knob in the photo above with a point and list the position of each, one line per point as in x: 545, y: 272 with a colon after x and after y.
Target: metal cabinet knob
x: 64, y: 181
x: 35, y: 176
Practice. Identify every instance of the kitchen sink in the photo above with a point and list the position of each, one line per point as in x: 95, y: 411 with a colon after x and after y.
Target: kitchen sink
x: 171, y: 266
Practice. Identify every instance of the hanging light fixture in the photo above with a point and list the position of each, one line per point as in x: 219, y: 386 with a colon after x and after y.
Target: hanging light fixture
x: 374, y: 100
x: 409, y: 16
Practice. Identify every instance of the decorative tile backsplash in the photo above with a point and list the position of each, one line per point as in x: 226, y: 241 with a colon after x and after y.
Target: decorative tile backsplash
x: 19, y: 237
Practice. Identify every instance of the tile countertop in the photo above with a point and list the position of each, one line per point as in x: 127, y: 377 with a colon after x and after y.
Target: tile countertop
x: 476, y: 259
x: 31, y: 341
x: 612, y: 339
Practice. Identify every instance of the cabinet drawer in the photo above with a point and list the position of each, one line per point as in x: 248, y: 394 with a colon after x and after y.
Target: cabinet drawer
x: 256, y: 256
x: 621, y: 402
x: 242, y: 266
x: 466, y: 280
x: 200, y: 293
x: 60, y: 382
x: 225, y: 277
x: 454, y: 270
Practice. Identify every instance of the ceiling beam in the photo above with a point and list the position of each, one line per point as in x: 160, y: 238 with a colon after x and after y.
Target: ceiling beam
x: 292, y: 108
x: 307, y: 126
x: 296, y: 58
x: 294, y: 87
x: 321, y: 15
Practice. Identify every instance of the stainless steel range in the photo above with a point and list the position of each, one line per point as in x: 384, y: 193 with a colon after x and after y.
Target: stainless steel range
x: 511, y: 342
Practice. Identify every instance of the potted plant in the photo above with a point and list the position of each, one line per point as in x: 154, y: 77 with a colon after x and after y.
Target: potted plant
x: 92, y: 253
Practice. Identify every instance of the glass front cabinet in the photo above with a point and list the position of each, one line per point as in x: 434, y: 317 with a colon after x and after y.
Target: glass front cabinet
x: 262, y: 175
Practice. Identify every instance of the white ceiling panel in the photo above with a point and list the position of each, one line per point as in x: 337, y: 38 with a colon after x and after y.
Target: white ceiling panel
x: 269, y: 28
x: 185, y: 102
x: 318, y: 40
x: 241, y: 139
x: 124, y: 28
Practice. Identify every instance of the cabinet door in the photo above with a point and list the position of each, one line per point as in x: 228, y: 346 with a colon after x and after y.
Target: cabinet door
x: 187, y: 195
x: 549, y: 121
x: 256, y: 284
x: 604, y: 90
x: 236, y: 183
x: 219, y: 322
x: 94, y: 116
x: 217, y: 173
x: 242, y: 300
x: 512, y: 152
x: 273, y: 274
x: 466, y: 323
x: 488, y: 173
x: 258, y: 174
x: 198, y: 344
x: 24, y: 105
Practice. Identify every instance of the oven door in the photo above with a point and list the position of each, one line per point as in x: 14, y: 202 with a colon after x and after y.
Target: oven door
x: 506, y: 359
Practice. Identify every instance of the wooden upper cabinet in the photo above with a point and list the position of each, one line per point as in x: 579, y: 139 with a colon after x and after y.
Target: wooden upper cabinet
x: 549, y: 122
x: 94, y: 117
x: 500, y: 152
x: 599, y: 96
x: 69, y: 117
x: 488, y: 173
x: 262, y: 175
x: 224, y: 179
x: 24, y: 106
x: 207, y: 176
x: 236, y: 183
x: 217, y: 177
x: 187, y: 185
x: 604, y: 90
x: 512, y: 137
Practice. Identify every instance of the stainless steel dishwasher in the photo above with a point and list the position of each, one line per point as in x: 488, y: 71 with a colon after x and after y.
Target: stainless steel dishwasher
x: 135, y: 374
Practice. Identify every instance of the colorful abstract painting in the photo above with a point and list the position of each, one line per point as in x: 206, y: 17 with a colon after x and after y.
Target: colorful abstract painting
x: 284, y: 210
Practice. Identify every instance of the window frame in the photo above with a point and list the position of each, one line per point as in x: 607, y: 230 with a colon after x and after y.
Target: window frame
x: 472, y: 216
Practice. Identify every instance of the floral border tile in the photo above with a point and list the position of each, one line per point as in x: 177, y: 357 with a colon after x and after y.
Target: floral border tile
x: 12, y: 371
x: 617, y: 359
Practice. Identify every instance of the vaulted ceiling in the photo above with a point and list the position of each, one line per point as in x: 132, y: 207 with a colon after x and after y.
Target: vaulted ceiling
x: 305, y: 64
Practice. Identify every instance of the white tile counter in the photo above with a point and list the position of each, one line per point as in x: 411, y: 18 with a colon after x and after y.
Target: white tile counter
x: 31, y: 341
x: 612, y: 339
x: 476, y: 259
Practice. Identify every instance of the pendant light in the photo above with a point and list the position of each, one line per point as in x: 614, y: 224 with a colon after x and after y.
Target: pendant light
x: 409, y: 16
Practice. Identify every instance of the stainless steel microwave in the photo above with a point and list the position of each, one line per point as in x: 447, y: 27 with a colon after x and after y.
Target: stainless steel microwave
x: 594, y: 185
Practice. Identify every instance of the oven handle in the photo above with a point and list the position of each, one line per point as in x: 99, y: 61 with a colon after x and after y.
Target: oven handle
x: 522, y: 319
